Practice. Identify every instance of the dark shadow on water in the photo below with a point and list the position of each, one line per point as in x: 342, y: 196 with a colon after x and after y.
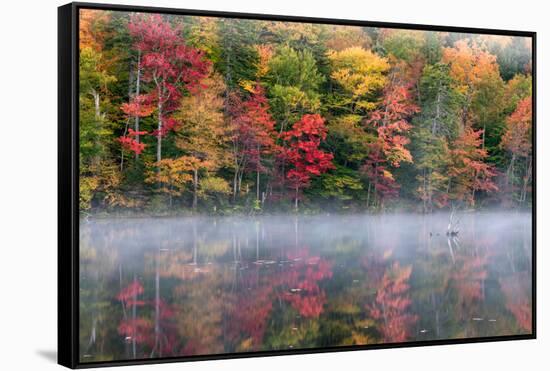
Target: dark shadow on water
x: 50, y: 355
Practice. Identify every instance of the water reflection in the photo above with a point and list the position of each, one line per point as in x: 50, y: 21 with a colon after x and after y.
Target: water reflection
x: 169, y: 287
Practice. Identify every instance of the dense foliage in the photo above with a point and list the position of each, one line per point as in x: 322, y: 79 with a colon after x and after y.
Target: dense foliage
x: 226, y: 116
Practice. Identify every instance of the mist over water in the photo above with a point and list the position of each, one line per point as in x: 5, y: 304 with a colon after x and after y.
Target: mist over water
x: 159, y: 287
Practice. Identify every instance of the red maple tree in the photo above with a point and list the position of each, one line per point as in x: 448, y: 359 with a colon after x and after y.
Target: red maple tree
x: 391, y: 123
x: 131, y: 143
x: 169, y: 65
x: 303, y: 152
x: 381, y: 180
x: 254, y: 135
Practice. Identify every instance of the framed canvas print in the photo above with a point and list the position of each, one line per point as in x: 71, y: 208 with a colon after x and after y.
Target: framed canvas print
x: 236, y: 185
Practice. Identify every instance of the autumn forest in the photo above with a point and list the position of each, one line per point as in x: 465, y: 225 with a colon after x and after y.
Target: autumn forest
x: 182, y: 114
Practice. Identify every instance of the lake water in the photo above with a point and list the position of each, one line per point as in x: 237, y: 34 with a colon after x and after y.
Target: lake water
x: 185, y: 286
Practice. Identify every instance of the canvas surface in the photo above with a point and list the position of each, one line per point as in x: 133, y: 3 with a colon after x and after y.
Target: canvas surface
x: 251, y: 185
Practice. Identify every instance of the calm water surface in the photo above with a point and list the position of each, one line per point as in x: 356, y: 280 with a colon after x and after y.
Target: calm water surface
x: 186, y: 286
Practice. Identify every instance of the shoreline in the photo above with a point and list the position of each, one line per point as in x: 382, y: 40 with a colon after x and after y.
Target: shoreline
x: 117, y: 216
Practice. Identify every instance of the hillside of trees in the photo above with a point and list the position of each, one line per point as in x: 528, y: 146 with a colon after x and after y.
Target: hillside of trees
x: 182, y: 114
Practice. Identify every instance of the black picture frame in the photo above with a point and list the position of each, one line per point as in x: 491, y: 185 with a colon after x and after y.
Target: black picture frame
x: 68, y: 180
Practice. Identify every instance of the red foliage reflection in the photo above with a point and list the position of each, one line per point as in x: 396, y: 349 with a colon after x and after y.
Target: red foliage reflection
x: 391, y: 306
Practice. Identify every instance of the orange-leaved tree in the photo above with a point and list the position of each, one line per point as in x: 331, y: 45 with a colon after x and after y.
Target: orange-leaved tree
x: 469, y: 172
x: 517, y: 142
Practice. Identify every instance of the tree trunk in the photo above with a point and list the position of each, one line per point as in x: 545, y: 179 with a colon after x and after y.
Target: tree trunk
x: 510, y: 170
x: 239, y: 183
x: 430, y: 202
x: 195, y: 187
x: 97, y: 116
x: 258, y: 174
x: 368, y: 195
x: 526, y: 180
x: 235, y: 177
x: 138, y: 81
x: 258, y: 185
x: 296, y: 199
x: 159, y: 135
x: 509, y: 175
x: 122, y: 148
x: 437, y: 113
x: 424, y: 192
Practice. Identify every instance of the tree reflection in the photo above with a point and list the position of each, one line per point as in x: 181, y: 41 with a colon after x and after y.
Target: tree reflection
x: 98, y: 269
x: 518, y: 300
x: 301, y: 283
x: 133, y: 328
x: 267, y: 287
x: 391, y: 308
x: 217, y: 286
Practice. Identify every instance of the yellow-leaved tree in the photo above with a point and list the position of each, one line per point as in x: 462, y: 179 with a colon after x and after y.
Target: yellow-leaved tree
x: 203, y: 134
x: 360, y: 74
x: 172, y: 175
x: 477, y: 77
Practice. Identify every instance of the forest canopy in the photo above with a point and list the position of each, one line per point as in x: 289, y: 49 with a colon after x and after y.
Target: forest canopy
x: 182, y: 114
